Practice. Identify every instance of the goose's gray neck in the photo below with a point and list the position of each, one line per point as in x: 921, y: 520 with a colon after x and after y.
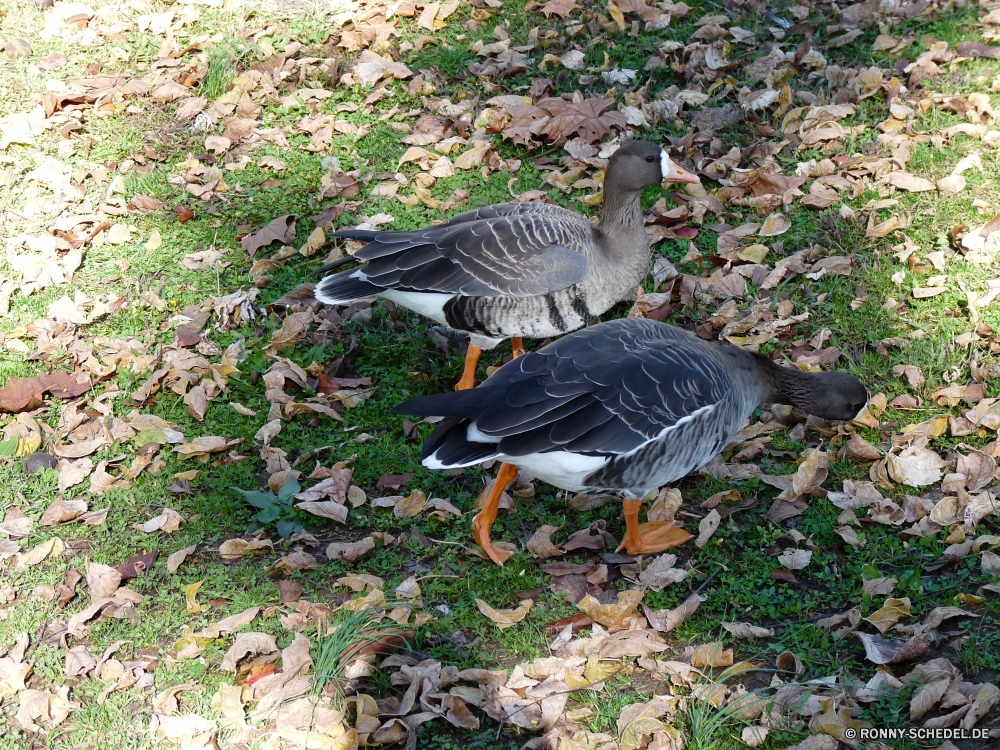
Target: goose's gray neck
x: 621, y: 211
x: 786, y: 385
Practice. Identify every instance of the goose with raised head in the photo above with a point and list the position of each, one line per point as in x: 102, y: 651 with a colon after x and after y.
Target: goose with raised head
x: 515, y: 269
x: 625, y: 406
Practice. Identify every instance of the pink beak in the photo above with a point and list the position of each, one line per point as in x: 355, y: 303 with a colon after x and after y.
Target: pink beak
x: 677, y: 174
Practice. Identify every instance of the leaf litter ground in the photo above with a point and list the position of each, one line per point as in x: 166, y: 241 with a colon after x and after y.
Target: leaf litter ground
x: 216, y: 534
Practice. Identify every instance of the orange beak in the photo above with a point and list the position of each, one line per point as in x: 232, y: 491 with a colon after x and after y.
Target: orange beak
x: 677, y: 174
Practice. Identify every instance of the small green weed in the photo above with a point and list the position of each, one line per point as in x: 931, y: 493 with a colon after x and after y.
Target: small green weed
x: 275, y: 509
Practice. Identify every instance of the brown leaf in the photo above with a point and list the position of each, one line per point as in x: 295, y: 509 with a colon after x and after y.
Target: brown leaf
x: 138, y: 565
x: 712, y: 655
x: 234, y: 549
x: 25, y: 394
x: 591, y: 537
x: 610, y: 615
x: 909, y: 182
x: 102, y: 580
x: 557, y: 118
x: 168, y: 521
x: 392, y: 482
x: 707, y: 527
x: 246, y: 644
x: 631, y: 643
x: 978, y: 49
x: 913, y: 375
x: 184, y: 213
x: 281, y: 229
x: 561, y: 8
x: 881, y: 650
x: 16, y: 523
x: 410, y: 506
x: 783, y: 575
x: 54, y: 546
x: 541, y: 542
x: 747, y: 630
x: 926, y: 696
x: 61, y: 511
x: 139, y: 202
x: 196, y: 401
x: 795, y: 559
x: 177, y: 558
x: 859, y: 448
x: 666, y: 620
x: 350, y: 551
x: 887, y: 616
x: 661, y: 573
x: 916, y: 467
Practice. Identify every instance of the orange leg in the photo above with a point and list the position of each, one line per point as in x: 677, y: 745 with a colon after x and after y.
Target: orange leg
x: 469, y: 373
x: 518, y: 346
x: 648, y: 538
x: 484, y: 520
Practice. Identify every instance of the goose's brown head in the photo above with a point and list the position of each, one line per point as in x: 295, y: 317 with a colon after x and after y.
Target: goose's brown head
x: 640, y: 163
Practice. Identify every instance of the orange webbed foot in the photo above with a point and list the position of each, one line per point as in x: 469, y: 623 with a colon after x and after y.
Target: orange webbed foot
x: 655, y: 536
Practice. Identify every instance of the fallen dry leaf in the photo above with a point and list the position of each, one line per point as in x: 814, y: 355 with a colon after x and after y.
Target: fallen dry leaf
x: 795, y: 559
x: 505, y: 618
x: 610, y: 615
x: 177, y: 558
x: 350, y: 551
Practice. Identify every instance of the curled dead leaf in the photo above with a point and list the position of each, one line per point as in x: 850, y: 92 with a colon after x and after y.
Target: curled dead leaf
x: 505, y: 618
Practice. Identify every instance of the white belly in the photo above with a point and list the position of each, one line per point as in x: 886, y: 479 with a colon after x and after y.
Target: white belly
x: 429, y: 304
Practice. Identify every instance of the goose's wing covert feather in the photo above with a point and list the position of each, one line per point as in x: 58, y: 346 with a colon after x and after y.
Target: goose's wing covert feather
x: 604, y: 390
x: 492, y: 251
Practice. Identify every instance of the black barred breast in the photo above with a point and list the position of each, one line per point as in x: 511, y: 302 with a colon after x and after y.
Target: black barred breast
x: 551, y: 314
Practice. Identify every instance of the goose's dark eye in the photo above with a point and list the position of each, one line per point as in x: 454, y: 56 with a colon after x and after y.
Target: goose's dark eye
x: 650, y: 159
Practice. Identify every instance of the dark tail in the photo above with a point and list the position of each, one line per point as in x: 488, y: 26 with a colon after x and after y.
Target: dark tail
x: 450, y: 447
x: 341, y: 288
x: 463, y: 404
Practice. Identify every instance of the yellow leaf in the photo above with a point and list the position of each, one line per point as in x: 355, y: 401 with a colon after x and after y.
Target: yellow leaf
x: 595, y: 671
x: 616, y: 13
x: 505, y: 618
x: 610, y: 615
x: 189, y: 598
x: 886, y: 618
x: 754, y: 253
x: 712, y: 655
x: 968, y: 600
x: 410, y: 506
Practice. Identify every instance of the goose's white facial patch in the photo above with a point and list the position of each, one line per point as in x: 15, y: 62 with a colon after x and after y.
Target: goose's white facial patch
x: 863, y: 410
x: 664, y: 164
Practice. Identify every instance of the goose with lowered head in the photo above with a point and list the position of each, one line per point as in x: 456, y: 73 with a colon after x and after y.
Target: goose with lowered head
x: 625, y: 406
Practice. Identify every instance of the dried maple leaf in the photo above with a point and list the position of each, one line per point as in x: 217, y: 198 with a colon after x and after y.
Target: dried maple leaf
x: 555, y: 119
